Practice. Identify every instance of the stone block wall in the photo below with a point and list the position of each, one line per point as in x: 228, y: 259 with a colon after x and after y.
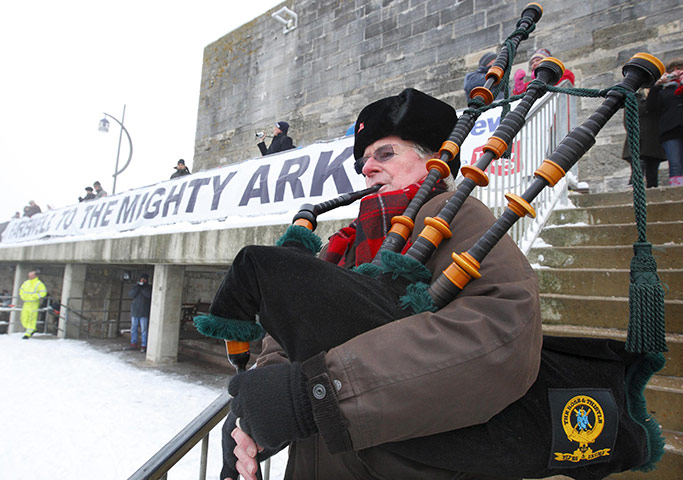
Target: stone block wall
x: 347, y: 53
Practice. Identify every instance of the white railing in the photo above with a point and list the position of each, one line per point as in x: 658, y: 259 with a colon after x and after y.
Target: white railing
x: 549, y: 121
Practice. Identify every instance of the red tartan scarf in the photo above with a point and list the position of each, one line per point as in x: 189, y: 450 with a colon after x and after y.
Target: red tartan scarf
x: 366, y: 233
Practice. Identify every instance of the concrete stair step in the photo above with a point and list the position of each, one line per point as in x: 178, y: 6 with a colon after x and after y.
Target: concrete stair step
x: 601, y: 312
x: 664, y: 396
x: 662, y: 194
x: 602, y: 282
x: 598, y: 215
x: 674, y: 341
x: 666, y: 256
x: 618, y: 234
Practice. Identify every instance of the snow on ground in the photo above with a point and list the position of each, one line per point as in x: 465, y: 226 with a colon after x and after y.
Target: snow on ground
x: 71, y: 411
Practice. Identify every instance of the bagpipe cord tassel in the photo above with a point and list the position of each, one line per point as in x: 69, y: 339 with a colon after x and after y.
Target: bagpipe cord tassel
x: 646, y: 326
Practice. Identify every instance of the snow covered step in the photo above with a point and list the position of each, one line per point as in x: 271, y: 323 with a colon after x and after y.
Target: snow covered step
x: 601, y: 312
x: 616, y: 234
x: 598, y: 215
x: 602, y: 282
x: 653, y: 195
x: 603, y: 256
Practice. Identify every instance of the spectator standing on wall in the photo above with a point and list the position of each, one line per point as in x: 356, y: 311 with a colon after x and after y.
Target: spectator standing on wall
x: 281, y: 141
x: 31, y: 209
x: 88, y: 195
x: 666, y: 101
x: 180, y: 169
x: 31, y: 291
x: 651, y: 152
x: 141, y: 293
x: 99, y: 191
x: 538, y: 56
x: 478, y: 77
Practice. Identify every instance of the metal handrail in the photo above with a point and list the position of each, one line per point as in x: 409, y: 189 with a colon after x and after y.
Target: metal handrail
x: 198, y: 429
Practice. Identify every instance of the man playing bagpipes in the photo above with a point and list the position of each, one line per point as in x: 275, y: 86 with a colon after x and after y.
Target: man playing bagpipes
x: 340, y: 376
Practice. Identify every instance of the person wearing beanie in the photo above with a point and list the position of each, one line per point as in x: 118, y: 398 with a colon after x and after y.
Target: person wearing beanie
x: 141, y: 296
x: 536, y: 58
x: 340, y: 378
x: 478, y: 77
x: 88, y: 195
x: 281, y: 141
x: 180, y: 169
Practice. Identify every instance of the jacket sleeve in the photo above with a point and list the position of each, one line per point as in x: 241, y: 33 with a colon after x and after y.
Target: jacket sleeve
x: 262, y: 147
x: 133, y: 292
x: 435, y: 372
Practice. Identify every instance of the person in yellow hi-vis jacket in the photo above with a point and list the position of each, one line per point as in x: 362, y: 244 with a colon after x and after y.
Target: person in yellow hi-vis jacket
x: 31, y: 291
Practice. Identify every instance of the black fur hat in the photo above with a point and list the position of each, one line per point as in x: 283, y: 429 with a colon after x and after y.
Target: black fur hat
x: 411, y: 115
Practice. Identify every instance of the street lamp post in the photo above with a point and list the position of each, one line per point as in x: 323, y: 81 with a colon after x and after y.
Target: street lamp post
x: 104, y: 127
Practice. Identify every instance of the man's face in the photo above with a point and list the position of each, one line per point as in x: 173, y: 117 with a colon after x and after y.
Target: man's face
x: 31, y: 275
x: 181, y: 166
x: 143, y: 280
x: 276, y: 131
x: 97, y: 188
x: 403, y: 168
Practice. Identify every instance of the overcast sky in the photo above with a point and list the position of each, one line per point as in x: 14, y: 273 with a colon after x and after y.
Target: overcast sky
x: 66, y: 63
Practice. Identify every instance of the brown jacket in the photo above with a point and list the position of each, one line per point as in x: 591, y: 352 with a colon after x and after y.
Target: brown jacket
x: 436, y: 372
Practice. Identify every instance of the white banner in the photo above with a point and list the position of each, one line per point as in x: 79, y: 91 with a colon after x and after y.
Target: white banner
x: 261, y: 191
x: 251, y: 191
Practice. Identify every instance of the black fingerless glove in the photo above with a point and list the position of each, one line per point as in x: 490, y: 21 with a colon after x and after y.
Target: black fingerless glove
x: 273, y: 405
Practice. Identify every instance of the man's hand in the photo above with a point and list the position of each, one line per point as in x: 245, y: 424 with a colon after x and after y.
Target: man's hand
x: 245, y: 452
x: 239, y: 452
x: 273, y: 405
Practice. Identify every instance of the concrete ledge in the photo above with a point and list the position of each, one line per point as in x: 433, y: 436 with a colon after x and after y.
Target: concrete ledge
x: 208, y: 247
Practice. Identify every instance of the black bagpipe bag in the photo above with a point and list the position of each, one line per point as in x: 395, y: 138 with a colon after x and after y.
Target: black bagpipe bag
x: 584, y: 417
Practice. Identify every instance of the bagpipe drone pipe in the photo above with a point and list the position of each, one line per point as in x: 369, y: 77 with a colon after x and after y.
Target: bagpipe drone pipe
x: 584, y: 416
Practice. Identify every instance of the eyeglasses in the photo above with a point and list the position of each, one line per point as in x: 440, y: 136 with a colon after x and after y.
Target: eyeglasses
x: 382, y: 154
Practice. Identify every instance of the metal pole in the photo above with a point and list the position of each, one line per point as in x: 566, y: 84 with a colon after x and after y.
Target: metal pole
x: 118, y: 150
x: 203, y: 457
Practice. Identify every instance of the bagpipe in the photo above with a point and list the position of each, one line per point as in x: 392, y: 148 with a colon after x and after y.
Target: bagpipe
x: 584, y: 416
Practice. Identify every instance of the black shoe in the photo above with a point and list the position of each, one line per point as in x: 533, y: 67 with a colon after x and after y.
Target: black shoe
x: 26, y: 336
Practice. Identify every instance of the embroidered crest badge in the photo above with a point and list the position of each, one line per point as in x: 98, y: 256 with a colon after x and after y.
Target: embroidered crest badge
x: 584, y: 426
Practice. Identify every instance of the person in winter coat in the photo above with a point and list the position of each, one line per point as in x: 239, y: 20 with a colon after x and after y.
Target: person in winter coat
x: 339, y: 406
x: 538, y: 56
x: 281, y: 141
x: 31, y: 291
x: 478, y: 77
x: 141, y: 293
x: 180, y: 169
x: 651, y: 152
x: 88, y: 196
x: 99, y: 191
x: 666, y: 101
x: 31, y: 209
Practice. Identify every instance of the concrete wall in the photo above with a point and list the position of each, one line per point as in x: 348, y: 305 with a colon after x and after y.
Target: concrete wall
x: 347, y: 53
